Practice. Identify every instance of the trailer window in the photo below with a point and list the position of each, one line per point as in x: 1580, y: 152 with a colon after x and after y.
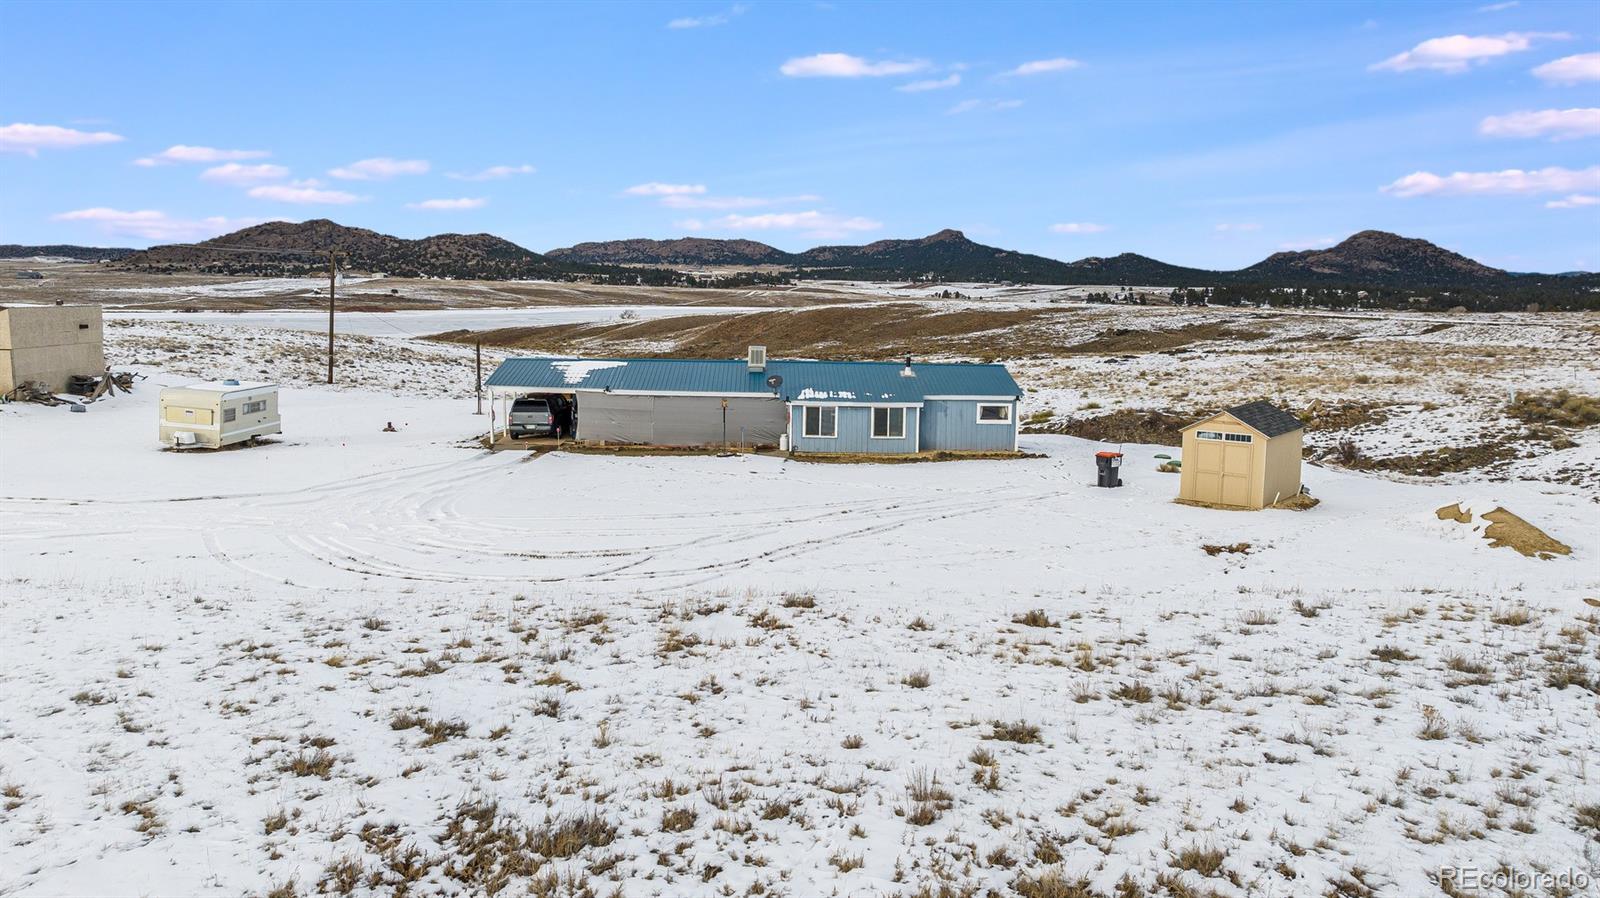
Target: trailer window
x: 228, y: 414
x: 260, y: 405
x: 888, y: 423
x: 994, y: 414
x: 821, y: 421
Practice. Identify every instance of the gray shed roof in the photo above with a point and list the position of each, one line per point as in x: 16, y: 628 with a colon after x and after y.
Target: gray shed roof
x: 1266, y: 418
x: 833, y: 382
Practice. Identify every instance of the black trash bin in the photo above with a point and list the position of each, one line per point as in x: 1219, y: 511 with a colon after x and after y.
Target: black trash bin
x: 1109, y: 465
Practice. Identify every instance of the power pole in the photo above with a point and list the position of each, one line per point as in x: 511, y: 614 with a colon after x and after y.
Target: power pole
x: 333, y: 271
x: 477, y: 388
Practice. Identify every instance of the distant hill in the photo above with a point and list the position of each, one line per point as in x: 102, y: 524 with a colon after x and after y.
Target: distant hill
x: 1377, y: 258
x: 1369, y: 259
x: 64, y: 251
x: 683, y: 251
x: 250, y: 251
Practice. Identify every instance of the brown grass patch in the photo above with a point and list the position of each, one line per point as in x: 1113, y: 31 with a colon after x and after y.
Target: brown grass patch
x: 1508, y: 530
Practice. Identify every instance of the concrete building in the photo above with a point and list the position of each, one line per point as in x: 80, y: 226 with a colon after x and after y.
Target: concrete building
x: 217, y: 414
x: 1245, y: 457
x: 885, y: 408
x: 49, y: 344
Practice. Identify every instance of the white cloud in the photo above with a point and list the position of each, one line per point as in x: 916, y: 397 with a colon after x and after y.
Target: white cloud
x: 379, y: 169
x: 931, y: 84
x: 813, y: 223
x: 303, y: 192
x: 711, y: 21
x: 1077, y: 227
x: 1313, y: 243
x: 1575, y: 201
x: 843, y: 65
x: 690, y: 224
x: 1458, y: 52
x: 1238, y: 226
x: 985, y: 105
x: 1499, y: 7
x: 203, y: 155
x: 688, y: 201
x: 1570, y: 69
x: 234, y: 173
x: 1556, y: 124
x: 493, y: 173
x: 466, y: 202
x: 30, y: 139
x: 1042, y: 66
x: 656, y: 188
x: 153, y: 225
x: 1511, y: 181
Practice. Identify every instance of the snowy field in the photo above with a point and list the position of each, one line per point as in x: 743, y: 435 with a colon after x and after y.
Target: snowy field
x: 369, y: 663
x: 423, y: 323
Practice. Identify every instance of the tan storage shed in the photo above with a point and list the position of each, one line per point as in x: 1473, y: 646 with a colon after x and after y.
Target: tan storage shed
x: 49, y: 344
x: 1245, y: 457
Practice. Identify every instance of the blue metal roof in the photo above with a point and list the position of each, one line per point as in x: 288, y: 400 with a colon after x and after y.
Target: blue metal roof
x: 802, y: 381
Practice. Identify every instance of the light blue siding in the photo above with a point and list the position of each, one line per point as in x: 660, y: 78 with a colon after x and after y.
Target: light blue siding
x: 952, y: 424
x: 854, y: 433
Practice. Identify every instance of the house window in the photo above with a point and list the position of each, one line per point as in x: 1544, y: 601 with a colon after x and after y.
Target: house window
x: 821, y: 421
x: 1209, y: 435
x: 994, y: 414
x: 889, y: 423
x: 228, y: 414
x: 1237, y: 437
x: 251, y: 408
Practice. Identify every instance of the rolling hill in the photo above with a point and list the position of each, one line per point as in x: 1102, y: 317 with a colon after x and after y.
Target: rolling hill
x: 64, y: 251
x: 281, y: 247
x: 1368, y: 259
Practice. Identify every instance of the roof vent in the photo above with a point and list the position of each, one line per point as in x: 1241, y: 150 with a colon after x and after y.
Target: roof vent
x: 758, y: 358
x: 231, y: 382
x: 906, y: 371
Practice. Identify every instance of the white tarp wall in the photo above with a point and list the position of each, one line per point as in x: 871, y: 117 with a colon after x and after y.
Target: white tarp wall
x: 679, y: 420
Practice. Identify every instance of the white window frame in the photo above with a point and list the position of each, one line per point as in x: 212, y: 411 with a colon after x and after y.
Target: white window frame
x: 805, y: 412
x: 1237, y: 437
x: 1002, y: 405
x: 254, y: 407
x: 888, y: 410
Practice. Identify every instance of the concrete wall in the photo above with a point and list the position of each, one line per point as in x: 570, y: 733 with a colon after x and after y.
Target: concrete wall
x: 952, y: 424
x: 854, y: 433
x: 49, y: 344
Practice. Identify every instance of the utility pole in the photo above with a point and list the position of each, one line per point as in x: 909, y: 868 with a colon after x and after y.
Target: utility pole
x: 477, y: 388
x: 333, y: 271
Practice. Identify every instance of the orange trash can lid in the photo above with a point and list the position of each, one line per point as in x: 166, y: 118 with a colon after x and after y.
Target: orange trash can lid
x: 1108, y: 455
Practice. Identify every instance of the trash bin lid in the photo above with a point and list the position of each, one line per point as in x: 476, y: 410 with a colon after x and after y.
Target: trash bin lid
x: 1108, y: 455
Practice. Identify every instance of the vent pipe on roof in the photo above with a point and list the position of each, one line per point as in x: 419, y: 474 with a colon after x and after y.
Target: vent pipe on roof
x: 758, y: 358
x: 906, y: 371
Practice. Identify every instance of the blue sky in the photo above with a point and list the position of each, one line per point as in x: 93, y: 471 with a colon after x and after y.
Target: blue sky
x: 1201, y: 134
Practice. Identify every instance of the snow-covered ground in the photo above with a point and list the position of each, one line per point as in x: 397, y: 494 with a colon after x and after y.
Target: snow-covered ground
x: 424, y: 323
x: 364, y: 662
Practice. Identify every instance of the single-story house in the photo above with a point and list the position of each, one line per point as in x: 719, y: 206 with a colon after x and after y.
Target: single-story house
x: 1245, y: 457
x: 888, y: 408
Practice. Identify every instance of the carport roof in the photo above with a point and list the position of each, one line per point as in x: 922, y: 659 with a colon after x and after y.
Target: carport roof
x: 839, y: 382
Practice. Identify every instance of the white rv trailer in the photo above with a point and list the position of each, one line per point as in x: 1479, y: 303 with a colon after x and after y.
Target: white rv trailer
x: 217, y: 414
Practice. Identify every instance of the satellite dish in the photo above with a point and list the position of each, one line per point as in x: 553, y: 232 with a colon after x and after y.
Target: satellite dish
x: 774, y: 381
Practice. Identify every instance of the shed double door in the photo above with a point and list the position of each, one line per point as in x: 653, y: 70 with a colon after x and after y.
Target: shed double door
x: 1222, y: 472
